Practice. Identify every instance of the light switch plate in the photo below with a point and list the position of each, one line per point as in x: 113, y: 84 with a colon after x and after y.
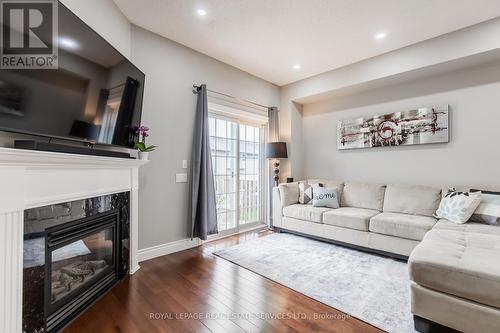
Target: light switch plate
x: 181, y: 177
x: 184, y: 164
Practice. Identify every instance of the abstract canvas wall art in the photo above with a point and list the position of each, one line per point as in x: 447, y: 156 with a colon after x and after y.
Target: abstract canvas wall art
x: 413, y: 127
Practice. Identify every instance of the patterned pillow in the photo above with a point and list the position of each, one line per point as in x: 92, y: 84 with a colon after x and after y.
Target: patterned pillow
x: 325, y: 197
x: 306, y: 192
x: 489, y: 208
x: 457, y: 206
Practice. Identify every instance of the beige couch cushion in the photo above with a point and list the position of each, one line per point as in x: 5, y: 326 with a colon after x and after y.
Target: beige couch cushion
x: 289, y: 193
x: 464, y: 264
x: 402, y: 225
x: 305, y: 212
x: 349, y: 217
x: 481, y: 228
x: 412, y: 199
x: 363, y: 195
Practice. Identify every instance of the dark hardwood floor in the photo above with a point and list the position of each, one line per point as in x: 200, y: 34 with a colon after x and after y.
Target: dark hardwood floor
x: 195, y: 291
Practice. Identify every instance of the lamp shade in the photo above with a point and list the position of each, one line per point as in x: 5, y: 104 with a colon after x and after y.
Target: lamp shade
x: 276, y: 150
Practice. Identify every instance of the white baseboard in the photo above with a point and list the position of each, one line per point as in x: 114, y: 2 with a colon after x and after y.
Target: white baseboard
x: 224, y: 235
x: 135, y: 269
x: 167, y: 248
x: 183, y: 244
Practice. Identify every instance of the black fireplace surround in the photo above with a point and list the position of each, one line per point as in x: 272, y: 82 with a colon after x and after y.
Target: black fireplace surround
x: 74, y: 253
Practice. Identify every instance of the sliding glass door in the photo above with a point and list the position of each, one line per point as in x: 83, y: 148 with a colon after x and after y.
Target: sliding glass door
x: 238, y: 164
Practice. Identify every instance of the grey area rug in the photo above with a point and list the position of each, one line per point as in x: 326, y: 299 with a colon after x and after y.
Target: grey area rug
x: 370, y: 287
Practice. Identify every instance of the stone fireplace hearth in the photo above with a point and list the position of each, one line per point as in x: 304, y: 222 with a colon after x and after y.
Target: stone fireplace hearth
x: 80, y: 255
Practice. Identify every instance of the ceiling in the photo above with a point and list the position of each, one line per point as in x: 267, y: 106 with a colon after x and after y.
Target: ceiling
x: 268, y: 37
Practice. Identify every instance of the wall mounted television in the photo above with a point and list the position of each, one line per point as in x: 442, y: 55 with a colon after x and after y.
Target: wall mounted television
x: 94, y: 96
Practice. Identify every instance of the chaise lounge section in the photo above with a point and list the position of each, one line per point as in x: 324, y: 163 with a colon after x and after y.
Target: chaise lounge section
x: 454, y: 268
x: 455, y: 276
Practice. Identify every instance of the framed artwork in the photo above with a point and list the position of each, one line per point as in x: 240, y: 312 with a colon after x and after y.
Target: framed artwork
x: 413, y: 127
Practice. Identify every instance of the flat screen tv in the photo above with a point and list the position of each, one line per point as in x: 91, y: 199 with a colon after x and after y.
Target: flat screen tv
x: 94, y: 96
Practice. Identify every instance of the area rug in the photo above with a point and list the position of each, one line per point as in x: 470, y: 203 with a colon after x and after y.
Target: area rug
x: 367, y: 286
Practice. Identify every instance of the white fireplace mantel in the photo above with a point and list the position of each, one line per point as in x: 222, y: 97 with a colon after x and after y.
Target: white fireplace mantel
x: 31, y: 179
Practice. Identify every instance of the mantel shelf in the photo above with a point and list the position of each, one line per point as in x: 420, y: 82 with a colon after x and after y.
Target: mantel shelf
x: 33, y: 158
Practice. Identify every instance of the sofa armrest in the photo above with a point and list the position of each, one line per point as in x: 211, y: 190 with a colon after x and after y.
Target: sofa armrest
x: 277, y: 208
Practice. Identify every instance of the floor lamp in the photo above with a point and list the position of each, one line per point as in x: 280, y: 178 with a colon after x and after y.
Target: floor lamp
x: 276, y: 150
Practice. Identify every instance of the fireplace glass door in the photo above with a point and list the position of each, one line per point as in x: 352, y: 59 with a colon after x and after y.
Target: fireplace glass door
x: 79, y: 263
x: 81, y: 259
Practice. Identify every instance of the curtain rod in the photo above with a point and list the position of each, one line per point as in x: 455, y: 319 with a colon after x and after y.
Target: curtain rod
x: 196, y: 87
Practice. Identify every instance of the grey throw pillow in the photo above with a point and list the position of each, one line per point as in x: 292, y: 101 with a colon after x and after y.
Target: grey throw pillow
x: 325, y: 197
x: 306, y: 192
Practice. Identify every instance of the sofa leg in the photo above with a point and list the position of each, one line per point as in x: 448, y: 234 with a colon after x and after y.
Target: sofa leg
x: 423, y: 325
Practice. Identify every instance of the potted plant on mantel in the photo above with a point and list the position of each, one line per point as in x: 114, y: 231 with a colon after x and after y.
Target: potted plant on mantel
x: 143, y: 150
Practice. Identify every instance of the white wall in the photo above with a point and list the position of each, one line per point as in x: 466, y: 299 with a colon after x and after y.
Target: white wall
x: 106, y: 18
x: 464, y: 47
x: 470, y: 158
x: 169, y: 109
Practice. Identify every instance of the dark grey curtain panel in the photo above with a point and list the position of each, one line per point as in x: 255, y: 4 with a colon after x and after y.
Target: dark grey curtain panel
x: 203, y: 207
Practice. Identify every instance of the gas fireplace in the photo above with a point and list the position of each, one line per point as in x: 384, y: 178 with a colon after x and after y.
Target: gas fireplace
x: 73, y: 253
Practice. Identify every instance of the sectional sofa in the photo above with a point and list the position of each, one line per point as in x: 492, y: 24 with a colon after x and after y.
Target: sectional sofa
x: 454, y: 269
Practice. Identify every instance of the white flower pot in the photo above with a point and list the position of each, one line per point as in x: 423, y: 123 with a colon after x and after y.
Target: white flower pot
x: 143, y: 155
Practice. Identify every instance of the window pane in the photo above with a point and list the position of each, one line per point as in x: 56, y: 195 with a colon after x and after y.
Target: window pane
x: 231, y: 220
x: 231, y: 185
x: 221, y: 221
x: 242, y: 132
x: 249, y: 133
x: 231, y: 147
x: 220, y: 166
x: 212, y: 144
x: 211, y: 126
x: 220, y: 200
x: 221, y: 147
x: 242, y: 166
x: 221, y: 128
x: 232, y: 128
x: 231, y: 201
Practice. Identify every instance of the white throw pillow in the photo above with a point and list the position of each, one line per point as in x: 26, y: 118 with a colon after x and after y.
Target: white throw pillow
x: 458, y: 207
x: 325, y: 197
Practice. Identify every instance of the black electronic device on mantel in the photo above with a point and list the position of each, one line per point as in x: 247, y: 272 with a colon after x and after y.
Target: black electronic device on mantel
x: 94, y: 96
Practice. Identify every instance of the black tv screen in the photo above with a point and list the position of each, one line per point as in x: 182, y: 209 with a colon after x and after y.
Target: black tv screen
x: 95, y: 94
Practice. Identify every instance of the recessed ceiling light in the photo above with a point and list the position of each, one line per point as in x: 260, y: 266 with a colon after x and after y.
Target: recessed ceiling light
x: 201, y: 12
x: 380, y: 35
x: 68, y: 43
x: 296, y: 67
